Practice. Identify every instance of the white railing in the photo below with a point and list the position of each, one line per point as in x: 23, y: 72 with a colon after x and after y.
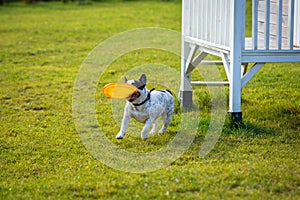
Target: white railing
x: 273, y: 23
x: 208, y: 21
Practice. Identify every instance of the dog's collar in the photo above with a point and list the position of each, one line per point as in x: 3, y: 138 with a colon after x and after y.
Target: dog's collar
x: 148, y: 97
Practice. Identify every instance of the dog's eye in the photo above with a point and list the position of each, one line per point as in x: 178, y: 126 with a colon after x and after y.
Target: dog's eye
x: 141, y: 87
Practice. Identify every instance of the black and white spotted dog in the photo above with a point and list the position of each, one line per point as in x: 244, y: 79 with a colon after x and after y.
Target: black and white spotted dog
x: 146, y: 107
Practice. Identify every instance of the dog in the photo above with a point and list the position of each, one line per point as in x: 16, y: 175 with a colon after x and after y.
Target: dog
x: 146, y: 106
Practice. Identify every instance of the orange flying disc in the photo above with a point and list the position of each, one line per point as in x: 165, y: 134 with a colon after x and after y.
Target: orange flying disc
x: 118, y: 90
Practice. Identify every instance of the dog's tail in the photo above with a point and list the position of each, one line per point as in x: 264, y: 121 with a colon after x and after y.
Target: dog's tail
x: 169, y: 91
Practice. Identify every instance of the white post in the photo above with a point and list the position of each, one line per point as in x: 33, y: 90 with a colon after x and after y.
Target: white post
x: 291, y: 24
x: 237, y: 44
x: 297, y: 23
x: 185, y: 95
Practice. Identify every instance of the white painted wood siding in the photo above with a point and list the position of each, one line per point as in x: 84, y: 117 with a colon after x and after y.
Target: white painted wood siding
x: 275, y: 24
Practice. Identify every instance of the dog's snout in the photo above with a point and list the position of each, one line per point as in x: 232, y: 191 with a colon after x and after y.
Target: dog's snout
x: 133, y: 96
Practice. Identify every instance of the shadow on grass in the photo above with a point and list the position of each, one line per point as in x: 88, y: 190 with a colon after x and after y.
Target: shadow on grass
x: 247, y: 129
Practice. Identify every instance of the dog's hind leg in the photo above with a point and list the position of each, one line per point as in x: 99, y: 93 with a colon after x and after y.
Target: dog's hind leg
x: 167, y: 117
x: 145, y: 131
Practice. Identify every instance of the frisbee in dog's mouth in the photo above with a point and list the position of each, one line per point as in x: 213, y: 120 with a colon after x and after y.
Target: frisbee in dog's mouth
x: 120, y: 91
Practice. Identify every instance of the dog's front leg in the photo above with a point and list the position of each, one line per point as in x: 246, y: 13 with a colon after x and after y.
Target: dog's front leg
x: 145, y: 131
x: 124, y: 125
x: 155, y: 127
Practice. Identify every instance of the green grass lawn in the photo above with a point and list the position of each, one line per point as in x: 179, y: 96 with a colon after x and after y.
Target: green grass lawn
x: 42, y: 157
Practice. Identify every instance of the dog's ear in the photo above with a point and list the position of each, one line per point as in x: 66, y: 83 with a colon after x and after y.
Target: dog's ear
x: 125, y: 79
x: 143, y: 79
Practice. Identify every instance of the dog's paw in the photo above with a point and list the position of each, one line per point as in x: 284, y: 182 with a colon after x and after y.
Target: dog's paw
x: 144, y: 138
x: 120, y: 136
x: 162, y: 131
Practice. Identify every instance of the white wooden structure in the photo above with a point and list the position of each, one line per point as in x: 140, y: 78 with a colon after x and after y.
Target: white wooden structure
x: 217, y: 27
